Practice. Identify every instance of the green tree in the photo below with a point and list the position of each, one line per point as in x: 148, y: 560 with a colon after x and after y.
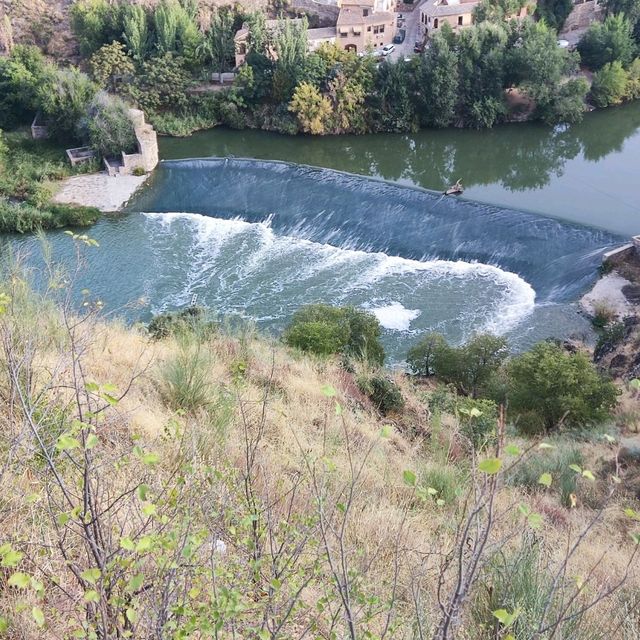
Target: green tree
x: 391, y: 104
x: 312, y: 109
x: 218, y: 46
x: 567, y: 104
x: 110, y: 65
x: 137, y: 35
x: 161, y: 84
x: 606, y: 42
x: 326, y: 330
x: 549, y: 388
x: 633, y: 82
x: 421, y: 356
x: 290, y: 45
x: 438, y: 84
x: 630, y: 9
x: 609, y: 85
x: 96, y: 22
x: 554, y: 12
x: 497, y: 10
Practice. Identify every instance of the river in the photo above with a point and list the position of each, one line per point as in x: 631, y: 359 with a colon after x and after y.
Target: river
x: 351, y: 220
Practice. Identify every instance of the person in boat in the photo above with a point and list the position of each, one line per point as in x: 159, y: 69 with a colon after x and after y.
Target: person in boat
x: 456, y: 188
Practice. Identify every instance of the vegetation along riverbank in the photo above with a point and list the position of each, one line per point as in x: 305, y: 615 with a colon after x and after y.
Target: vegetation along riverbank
x: 165, y: 57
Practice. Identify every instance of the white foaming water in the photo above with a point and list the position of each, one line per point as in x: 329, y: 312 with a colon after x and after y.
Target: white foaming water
x: 240, y: 267
x: 395, y: 316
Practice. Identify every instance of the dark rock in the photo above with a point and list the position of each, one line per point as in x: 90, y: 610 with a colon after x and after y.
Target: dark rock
x: 632, y: 293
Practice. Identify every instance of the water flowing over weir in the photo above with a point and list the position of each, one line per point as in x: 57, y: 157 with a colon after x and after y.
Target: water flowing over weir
x: 259, y: 239
x: 557, y: 259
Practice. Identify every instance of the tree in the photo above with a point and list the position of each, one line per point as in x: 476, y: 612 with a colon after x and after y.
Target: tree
x: 567, y: 104
x: 421, y: 356
x: 161, y: 84
x: 218, y: 46
x: 290, y: 46
x: 633, y: 82
x: 96, y: 22
x: 347, y: 97
x: 497, y: 10
x: 630, y: 9
x: 312, y: 109
x: 326, y: 330
x: 554, y: 12
x: 110, y: 65
x: 606, y: 42
x: 438, y: 78
x: 549, y: 388
x: 136, y: 31
x: 609, y: 85
x: 392, y: 107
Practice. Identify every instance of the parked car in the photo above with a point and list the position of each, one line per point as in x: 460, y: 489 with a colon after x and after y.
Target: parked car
x: 387, y: 49
x: 418, y: 47
x: 400, y: 36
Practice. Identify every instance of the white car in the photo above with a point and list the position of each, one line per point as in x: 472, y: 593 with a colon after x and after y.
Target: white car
x: 387, y: 49
x: 563, y: 44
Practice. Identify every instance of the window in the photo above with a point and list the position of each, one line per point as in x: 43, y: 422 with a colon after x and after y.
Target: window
x: 369, y: 29
x: 460, y: 21
x: 435, y: 23
x: 376, y: 29
x: 382, y: 28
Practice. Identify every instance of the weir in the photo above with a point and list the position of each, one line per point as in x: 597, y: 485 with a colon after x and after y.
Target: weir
x: 559, y: 259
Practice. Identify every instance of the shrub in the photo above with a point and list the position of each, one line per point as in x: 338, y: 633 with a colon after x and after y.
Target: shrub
x: 610, y: 336
x: 192, y: 320
x: 383, y: 392
x: 325, y: 330
x: 549, y: 388
x: 185, y: 378
x: 607, y: 42
x: 108, y: 127
x: 557, y: 462
x: 609, y: 85
x: 478, y: 420
x: 110, y: 65
x: 25, y: 218
x: 96, y: 22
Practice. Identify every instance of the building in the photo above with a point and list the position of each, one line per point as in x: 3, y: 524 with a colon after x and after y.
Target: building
x: 457, y: 13
x: 316, y: 37
x: 378, y: 5
x: 361, y: 27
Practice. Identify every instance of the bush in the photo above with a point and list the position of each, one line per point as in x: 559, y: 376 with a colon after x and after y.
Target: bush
x: 557, y: 462
x: 325, y: 330
x: 24, y: 218
x: 384, y: 393
x: 192, y: 320
x: 185, y: 381
x: 470, y: 367
x: 609, y: 85
x: 607, y: 42
x: 548, y: 388
x: 478, y: 421
x: 108, y: 127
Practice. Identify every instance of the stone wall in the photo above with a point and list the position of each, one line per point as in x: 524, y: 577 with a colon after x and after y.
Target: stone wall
x: 582, y: 15
x: 327, y: 14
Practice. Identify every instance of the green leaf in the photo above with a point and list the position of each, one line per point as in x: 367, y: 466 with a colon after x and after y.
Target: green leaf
x: 149, y: 509
x: 545, y: 445
x: 135, y: 583
x: 150, y: 458
x: 92, y: 387
x: 142, y: 491
x: 490, y: 466
x: 63, y: 518
x: 127, y: 544
x: 144, y: 544
x: 19, y: 580
x: 91, y: 441
x: 635, y: 383
x: 513, y: 450
x: 132, y: 615
x: 66, y: 442
x: 91, y: 575
x: 38, y: 616
x: 576, y: 468
x: 328, y: 391
x: 91, y: 596
x: 588, y: 475
x: 12, y: 558
x: 386, y: 431
x: 506, y: 618
x: 409, y: 477
x: 4, y: 624
x: 545, y: 479
x: 535, y: 520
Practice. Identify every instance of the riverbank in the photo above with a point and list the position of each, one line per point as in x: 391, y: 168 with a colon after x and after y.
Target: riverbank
x: 106, y: 193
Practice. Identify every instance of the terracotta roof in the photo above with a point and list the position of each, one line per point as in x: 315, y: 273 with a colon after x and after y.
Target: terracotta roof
x: 438, y: 8
x: 353, y: 15
x: 322, y: 33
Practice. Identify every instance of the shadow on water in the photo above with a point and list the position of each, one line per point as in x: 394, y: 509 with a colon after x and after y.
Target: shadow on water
x: 558, y: 259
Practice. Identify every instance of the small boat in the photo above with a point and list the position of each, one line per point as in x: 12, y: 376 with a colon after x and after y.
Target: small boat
x: 454, y: 190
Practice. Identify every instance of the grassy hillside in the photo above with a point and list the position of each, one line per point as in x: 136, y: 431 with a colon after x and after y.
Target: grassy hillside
x: 215, y: 484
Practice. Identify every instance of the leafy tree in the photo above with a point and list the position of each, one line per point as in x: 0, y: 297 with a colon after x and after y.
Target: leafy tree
x: 421, y: 356
x: 347, y: 97
x: 23, y: 74
x: 633, y: 82
x: 554, y: 12
x: 438, y: 79
x: 606, y: 42
x: 392, y: 107
x: 161, y: 84
x: 290, y: 44
x: 609, y: 85
x: 166, y: 20
x: 630, y: 9
x: 66, y: 101
x: 326, y: 330
x: 312, y: 109
x: 549, y: 388
x: 497, y: 10
x: 137, y: 35
x: 567, y: 104
x: 218, y: 47
x: 110, y: 64
x: 96, y: 22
